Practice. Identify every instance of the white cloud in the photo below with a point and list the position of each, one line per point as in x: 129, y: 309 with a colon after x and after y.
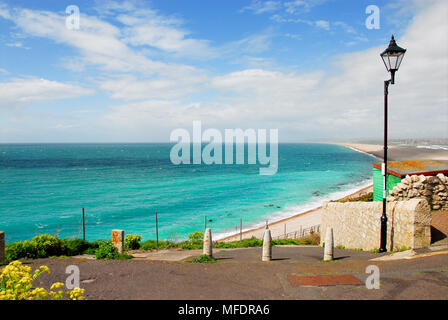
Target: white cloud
x: 107, y: 7
x: 255, y: 43
x: 61, y: 126
x: 253, y: 62
x: 4, y: 11
x: 323, y: 24
x: 290, y: 7
x: 99, y: 42
x: 293, y: 36
x: 132, y: 88
x: 121, y: 50
x: 35, y: 89
x: 259, y: 7
x: 146, y: 27
x: 398, y: 12
x: 293, y: 7
x: 17, y: 44
x: 345, y: 27
x: 105, y: 46
x: 343, y: 103
x: 258, y: 80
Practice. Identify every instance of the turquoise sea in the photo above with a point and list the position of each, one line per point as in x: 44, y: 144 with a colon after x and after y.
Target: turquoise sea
x: 43, y: 188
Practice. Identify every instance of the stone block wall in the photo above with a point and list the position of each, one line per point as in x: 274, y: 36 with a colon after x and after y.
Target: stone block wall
x: 432, y: 188
x: 357, y: 225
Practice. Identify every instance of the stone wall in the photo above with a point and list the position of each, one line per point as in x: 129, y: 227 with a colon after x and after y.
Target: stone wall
x: 357, y: 225
x: 432, y: 188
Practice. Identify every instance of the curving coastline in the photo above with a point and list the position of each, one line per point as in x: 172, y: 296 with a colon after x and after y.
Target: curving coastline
x: 398, y: 153
x: 294, y: 223
x: 312, y: 217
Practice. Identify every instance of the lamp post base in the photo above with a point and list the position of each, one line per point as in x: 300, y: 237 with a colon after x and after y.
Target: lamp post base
x: 383, y: 239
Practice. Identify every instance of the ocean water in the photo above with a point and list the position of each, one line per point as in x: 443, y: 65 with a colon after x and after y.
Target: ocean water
x: 43, y: 188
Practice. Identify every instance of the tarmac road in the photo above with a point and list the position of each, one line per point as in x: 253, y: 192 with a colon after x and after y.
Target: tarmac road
x: 241, y: 275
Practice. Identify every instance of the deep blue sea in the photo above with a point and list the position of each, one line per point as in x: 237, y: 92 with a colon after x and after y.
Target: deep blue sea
x: 43, y: 188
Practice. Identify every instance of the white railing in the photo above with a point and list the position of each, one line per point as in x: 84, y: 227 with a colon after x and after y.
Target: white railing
x: 302, y: 232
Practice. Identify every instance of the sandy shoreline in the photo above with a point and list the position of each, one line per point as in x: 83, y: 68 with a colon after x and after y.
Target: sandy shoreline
x: 312, y: 217
x: 294, y: 223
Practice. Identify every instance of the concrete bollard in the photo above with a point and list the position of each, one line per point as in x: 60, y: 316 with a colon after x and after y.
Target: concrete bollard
x: 329, y: 245
x: 118, y: 240
x: 267, y: 246
x: 208, y: 245
x: 2, y: 246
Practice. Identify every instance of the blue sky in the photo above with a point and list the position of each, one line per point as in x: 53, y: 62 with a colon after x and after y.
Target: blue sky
x: 136, y: 70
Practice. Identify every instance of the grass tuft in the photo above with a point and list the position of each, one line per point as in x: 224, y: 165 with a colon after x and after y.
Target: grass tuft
x: 203, y: 259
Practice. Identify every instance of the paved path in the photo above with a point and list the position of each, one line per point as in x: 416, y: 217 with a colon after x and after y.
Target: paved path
x: 240, y: 274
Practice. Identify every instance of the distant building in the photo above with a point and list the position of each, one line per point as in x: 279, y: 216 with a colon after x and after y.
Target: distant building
x: 397, y: 170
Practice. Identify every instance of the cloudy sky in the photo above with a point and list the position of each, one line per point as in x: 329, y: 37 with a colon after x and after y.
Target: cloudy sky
x: 136, y: 70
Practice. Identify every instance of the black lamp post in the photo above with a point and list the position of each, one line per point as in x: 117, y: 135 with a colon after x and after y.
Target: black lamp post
x: 392, y: 58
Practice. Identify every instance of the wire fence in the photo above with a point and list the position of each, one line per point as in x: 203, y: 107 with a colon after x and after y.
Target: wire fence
x: 302, y: 232
x: 80, y: 226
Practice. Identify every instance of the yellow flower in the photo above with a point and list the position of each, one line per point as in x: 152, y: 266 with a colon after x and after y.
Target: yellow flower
x: 45, y: 269
x: 17, y: 284
x: 56, y: 285
x: 76, y: 294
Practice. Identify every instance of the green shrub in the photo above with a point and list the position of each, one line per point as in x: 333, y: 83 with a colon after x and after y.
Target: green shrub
x: 254, y: 242
x: 73, y: 247
x: 123, y: 256
x: 93, y: 246
x: 245, y: 243
x: 40, y: 246
x: 188, y: 245
x: 19, y: 250
x: 148, y: 245
x: 132, y: 242
x: 47, y: 246
x: 43, y: 246
x: 106, y: 250
x: 196, y: 237
x: 152, y: 244
x: 311, y: 239
x: 280, y: 242
x: 90, y: 251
